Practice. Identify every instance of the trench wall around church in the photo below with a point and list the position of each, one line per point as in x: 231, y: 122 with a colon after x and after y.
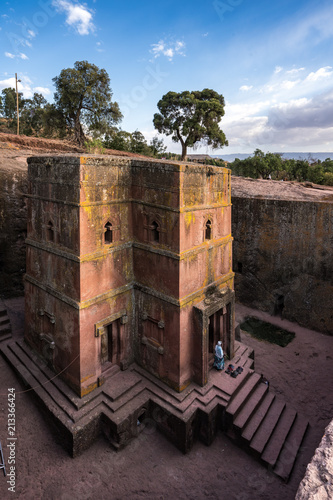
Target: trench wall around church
x: 13, y: 231
x: 282, y: 253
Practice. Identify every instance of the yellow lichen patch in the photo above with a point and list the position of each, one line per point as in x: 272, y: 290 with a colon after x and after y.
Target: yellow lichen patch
x: 87, y: 390
x: 83, y: 160
x: 183, y: 386
x: 112, y: 302
x: 88, y: 210
x: 189, y: 218
x: 87, y: 377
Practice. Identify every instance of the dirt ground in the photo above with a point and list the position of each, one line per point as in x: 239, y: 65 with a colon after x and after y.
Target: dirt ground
x: 152, y: 468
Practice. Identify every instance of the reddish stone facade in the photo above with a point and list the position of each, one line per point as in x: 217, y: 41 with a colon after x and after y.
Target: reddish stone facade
x: 128, y: 260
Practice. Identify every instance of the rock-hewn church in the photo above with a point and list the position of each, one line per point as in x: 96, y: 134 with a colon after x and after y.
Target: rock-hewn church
x: 128, y: 260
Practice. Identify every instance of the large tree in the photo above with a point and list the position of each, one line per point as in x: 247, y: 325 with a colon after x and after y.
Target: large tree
x: 8, y: 106
x: 32, y: 115
x: 191, y: 117
x: 157, y: 146
x: 83, y: 96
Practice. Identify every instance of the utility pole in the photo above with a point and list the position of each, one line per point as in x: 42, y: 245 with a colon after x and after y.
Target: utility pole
x: 17, y: 106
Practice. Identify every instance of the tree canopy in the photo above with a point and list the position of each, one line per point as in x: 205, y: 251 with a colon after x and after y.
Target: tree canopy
x: 8, y: 106
x: 134, y: 142
x: 272, y: 165
x: 191, y: 117
x: 31, y: 111
x: 83, y: 95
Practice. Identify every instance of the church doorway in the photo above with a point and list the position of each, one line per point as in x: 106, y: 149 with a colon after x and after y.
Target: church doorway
x: 219, y: 329
x: 111, y: 344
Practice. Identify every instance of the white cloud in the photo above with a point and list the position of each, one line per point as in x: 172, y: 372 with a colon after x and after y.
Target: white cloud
x: 245, y: 88
x: 42, y: 90
x: 285, y: 113
x: 20, y: 55
x: 179, y: 46
x: 99, y: 47
x: 282, y: 88
x: 289, y: 84
x: 319, y: 74
x: 78, y: 17
x: 294, y: 71
x: 244, y: 110
x: 168, y: 49
x: 278, y: 69
x: 31, y: 34
x: 9, y: 82
x: 169, y: 53
x: 24, y: 86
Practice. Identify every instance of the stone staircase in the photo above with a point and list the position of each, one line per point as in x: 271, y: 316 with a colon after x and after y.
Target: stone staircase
x: 242, y: 407
x: 5, y: 327
x: 265, y: 426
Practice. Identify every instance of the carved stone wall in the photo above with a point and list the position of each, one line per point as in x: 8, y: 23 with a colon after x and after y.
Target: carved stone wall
x: 13, y: 231
x: 282, y: 256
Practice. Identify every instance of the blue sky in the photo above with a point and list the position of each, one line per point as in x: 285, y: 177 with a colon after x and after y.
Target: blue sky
x: 272, y: 61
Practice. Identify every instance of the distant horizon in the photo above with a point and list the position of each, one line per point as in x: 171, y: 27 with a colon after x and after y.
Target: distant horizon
x: 274, y: 152
x: 321, y: 155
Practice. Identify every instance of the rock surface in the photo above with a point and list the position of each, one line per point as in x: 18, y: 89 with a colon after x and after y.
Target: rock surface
x: 13, y: 223
x: 282, y: 257
x: 318, y: 480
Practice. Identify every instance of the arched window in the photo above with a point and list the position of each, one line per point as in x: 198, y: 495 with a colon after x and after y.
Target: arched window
x: 108, y: 233
x: 50, y: 232
x: 155, y: 231
x: 208, y: 230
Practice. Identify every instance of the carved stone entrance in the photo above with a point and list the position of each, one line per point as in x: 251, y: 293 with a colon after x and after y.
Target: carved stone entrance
x: 111, y: 344
x: 111, y: 337
x: 213, y: 321
x: 219, y: 329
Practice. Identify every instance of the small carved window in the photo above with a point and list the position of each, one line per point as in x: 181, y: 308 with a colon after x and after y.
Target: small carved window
x: 155, y: 232
x: 108, y: 236
x: 50, y: 231
x: 208, y: 230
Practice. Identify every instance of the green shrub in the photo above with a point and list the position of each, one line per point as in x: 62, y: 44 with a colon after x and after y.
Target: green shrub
x: 94, y: 146
x: 328, y: 179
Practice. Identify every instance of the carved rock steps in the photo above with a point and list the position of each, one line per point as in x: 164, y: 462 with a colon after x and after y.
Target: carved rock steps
x: 266, y: 426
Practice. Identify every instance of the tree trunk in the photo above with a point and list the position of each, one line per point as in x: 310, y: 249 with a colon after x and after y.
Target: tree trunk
x: 78, y: 131
x: 184, y: 151
x: 184, y: 145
